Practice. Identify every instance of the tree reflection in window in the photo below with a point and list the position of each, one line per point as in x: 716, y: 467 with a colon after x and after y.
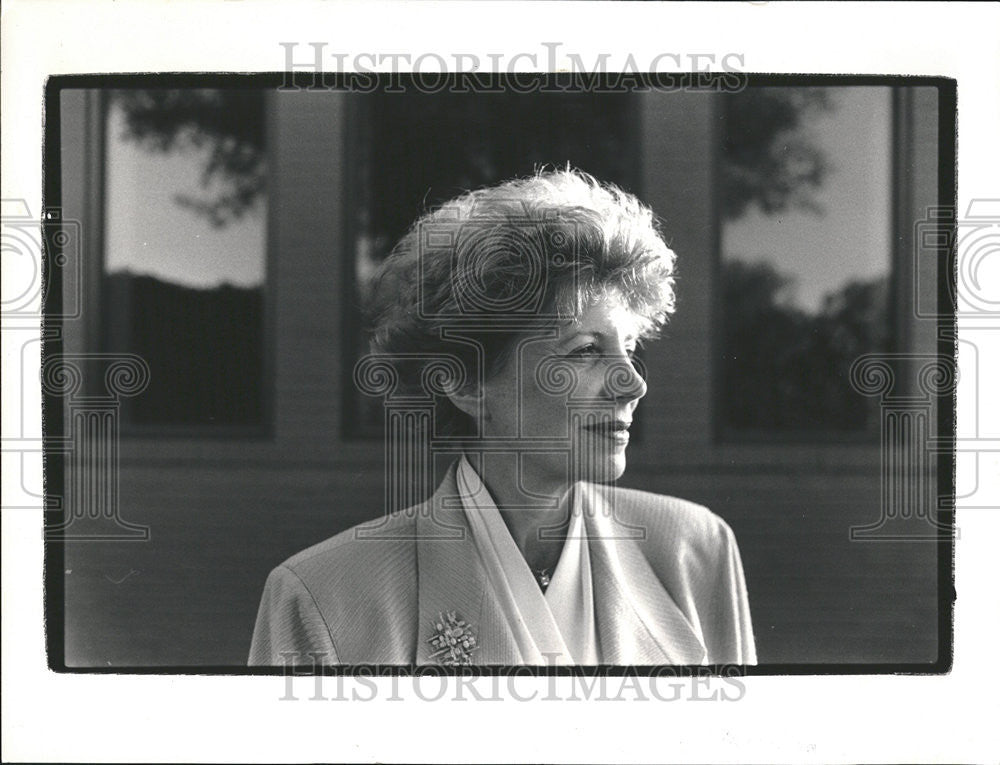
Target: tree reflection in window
x: 806, y: 260
x: 184, y: 261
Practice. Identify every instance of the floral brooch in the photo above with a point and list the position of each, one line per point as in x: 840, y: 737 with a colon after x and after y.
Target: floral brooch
x: 453, y: 640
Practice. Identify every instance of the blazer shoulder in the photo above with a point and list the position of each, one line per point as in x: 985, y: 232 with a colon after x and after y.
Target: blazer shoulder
x: 666, y: 518
x: 346, y: 598
x: 694, y: 555
x: 367, y: 546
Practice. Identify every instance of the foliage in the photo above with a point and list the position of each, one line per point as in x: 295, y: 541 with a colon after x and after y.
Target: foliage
x: 786, y: 369
x: 204, y: 347
x: 228, y: 125
x: 767, y: 155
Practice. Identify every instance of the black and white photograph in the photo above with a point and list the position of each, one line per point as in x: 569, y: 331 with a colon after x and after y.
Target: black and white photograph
x: 510, y: 372
x: 580, y: 382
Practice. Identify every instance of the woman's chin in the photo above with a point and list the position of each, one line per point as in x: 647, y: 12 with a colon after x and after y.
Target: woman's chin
x: 609, y: 469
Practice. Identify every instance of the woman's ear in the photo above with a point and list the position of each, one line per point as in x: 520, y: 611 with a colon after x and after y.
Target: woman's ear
x: 469, y: 400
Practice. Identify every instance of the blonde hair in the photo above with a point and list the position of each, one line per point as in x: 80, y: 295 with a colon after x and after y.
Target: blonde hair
x: 528, y: 252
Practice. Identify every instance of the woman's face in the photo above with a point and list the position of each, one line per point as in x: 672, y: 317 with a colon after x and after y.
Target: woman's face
x: 574, y: 392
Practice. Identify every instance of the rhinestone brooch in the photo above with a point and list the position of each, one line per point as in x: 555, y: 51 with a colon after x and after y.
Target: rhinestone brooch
x: 453, y: 640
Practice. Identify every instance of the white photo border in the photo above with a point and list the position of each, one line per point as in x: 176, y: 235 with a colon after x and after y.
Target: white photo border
x: 58, y: 717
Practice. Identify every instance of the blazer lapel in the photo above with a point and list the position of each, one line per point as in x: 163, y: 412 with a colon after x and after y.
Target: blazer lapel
x: 450, y: 577
x: 637, y: 620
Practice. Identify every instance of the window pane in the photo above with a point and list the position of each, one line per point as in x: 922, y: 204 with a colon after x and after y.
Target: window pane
x: 185, y: 253
x: 806, y: 266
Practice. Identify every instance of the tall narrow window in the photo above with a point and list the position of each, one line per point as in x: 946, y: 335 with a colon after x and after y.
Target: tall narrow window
x: 806, y: 263
x: 184, y: 279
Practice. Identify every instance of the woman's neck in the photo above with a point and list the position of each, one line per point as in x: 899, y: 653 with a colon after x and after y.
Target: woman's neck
x: 535, y: 511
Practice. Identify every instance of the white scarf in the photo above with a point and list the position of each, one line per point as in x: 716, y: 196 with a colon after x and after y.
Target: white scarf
x: 557, y: 627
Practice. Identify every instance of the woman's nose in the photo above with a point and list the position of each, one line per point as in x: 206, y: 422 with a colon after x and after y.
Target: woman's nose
x: 624, y: 379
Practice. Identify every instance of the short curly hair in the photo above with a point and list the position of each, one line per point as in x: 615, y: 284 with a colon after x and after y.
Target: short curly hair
x: 492, y: 264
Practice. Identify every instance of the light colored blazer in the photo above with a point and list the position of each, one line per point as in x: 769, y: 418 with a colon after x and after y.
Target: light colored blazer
x: 373, y: 594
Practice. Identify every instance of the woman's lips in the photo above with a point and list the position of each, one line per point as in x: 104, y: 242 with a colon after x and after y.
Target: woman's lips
x: 615, y: 431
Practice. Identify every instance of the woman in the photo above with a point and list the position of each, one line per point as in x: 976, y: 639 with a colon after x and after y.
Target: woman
x: 532, y: 296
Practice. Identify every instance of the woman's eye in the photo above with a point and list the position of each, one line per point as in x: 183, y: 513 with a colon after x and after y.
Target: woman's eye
x: 584, y: 350
x: 592, y: 350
